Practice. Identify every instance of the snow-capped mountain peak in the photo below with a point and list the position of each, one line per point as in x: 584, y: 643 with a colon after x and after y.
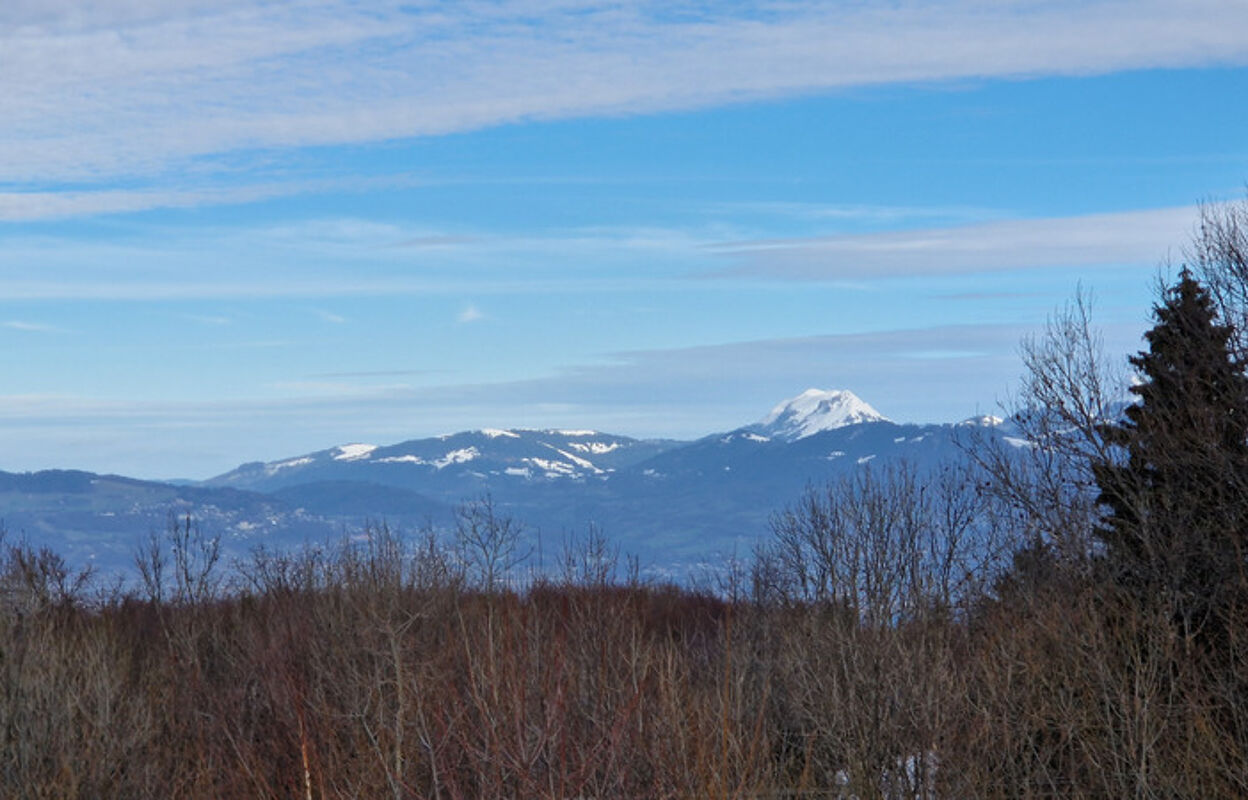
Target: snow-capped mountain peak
x: 814, y: 411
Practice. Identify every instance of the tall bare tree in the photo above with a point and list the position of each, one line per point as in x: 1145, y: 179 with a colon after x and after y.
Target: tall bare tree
x: 1040, y: 478
x: 1218, y: 254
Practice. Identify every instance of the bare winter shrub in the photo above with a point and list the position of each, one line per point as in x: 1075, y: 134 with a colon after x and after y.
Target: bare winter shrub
x: 370, y: 670
x: 34, y: 579
x: 882, y: 544
x: 1084, y: 693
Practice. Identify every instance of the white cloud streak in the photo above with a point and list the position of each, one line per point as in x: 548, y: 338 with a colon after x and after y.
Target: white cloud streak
x: 330, y: 317
x: 27, y: 206
x: 139, y: 88
x: 1134, y: 238
x: 353, y: 258
x: 30, y: 205
x: 215, y: 320
x: 330, y: 258
x: 30, y: 327
x: 932, y: 374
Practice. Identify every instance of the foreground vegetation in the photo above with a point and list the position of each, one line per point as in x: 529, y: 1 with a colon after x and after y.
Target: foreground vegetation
x: 376, y: 671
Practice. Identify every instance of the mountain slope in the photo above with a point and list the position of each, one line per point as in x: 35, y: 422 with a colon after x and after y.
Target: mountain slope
x: 449, y: 463
x: 100, y: 519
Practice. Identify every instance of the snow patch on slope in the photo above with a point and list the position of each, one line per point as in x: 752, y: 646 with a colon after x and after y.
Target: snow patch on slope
x: 577, y: 460
x: 982, y: 421
x: 272, y: 469
x: 460, y: 456
x: 401, y: 460
x: 553, y: 469
x: 354, y: 452
x: 594, y: 448
x: 456, y: 457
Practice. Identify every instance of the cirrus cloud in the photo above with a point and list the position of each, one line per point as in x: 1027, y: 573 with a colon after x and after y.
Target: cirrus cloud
x: 1130, y: 237
x: 130, y: 88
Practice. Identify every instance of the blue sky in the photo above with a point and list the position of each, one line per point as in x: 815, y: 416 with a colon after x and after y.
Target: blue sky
x: 239, y: 230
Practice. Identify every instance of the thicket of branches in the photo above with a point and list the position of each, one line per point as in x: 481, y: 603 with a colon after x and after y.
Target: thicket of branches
x: 376, y: 670
x: 1020, y: 625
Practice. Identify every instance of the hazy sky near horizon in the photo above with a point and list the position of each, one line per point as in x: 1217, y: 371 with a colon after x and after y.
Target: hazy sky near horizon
x: 245, y: 229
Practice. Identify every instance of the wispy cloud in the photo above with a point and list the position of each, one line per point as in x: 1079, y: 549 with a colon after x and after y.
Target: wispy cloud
x: 330, y: 317
x: 470, y: 314
x: 35, y: 204
x: 142, y: 88
x: 343, y: 258
x: 381, y: 373
x: 858, y: 213
x: 339, y: 389
x: 80, y: 288
x: 40, y: 205
x: 929, y: 374
x: 436, y: 241
x: 1133, y: 237
x: 30, y: 327
x: 209, y: 319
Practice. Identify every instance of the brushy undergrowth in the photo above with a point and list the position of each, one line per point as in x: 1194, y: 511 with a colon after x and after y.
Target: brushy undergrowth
x: 379, y: 672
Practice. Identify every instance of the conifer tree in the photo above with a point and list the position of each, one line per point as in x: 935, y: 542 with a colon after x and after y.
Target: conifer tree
x: 1177, y: 497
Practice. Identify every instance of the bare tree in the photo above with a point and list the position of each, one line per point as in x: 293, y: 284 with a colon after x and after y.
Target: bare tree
x: 490, y: 543
x: 34, y: 578
x: 1040, y: 479
x: 590, y: 560
x: 152, y: 562
x: 1218, y: 254
x: 195, y: 557
x: 882, y: 543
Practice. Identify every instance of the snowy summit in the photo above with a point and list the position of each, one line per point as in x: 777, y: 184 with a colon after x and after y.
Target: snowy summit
x: 814, y: 411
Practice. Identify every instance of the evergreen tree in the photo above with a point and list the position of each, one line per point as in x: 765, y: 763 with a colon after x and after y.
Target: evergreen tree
x: 1177, y: 499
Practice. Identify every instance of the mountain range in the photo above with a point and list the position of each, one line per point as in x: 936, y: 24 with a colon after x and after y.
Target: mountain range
x: 673, y: 504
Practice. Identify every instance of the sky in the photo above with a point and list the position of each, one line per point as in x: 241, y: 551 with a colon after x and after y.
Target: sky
x: 240, y: 230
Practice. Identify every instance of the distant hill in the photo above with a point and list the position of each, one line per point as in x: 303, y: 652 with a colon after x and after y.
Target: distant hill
x: 673, y: 504
x: 99, y: 519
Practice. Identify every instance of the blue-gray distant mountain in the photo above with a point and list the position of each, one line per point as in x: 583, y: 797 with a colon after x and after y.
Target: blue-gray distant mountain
x: 99, y: 520
x: 671, y: 503
x: 664, y: 500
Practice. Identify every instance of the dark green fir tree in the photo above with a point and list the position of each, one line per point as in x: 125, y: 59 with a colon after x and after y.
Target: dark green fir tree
x: 1176, y: 495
